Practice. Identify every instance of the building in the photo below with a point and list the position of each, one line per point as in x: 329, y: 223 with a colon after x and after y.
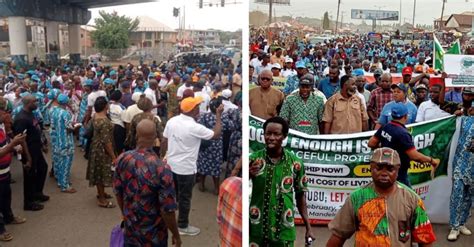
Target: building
x: 438, y: 23
x: 153, y: 34
x: 208, y: 37
x: 460, y: 22
x: 86, y: 39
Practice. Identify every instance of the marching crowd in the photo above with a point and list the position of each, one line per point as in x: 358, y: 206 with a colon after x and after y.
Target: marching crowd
x: 149, y: 132
x: 341, y: 86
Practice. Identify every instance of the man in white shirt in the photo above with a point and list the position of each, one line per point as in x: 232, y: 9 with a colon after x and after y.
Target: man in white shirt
x: 198, y: 92
x: 226, y: 94
x: 150, y: 93
x: 131, y: 111
x: 265, y: 65
x: 182, y: 138
x: 287, y: 68
x: 430, y: 109
x: 187, y: 85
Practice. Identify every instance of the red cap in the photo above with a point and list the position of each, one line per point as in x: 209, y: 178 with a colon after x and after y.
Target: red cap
x: 407, y: 71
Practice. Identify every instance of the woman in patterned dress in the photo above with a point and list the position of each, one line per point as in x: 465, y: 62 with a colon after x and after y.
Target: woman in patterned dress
x: 235, y: 144
x: 211, y: 155
x: 102, y: 153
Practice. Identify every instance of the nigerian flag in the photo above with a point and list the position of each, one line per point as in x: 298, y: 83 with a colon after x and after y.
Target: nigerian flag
x: 438, y: 54
x: 455, y: 48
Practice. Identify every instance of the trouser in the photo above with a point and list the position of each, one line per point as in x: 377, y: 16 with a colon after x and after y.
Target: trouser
x: 119, y: 138
x: 82, y: 140
x: 460, y: 203
x: 55, y: 160
x: 63, y: 172
x: 184, y: 192
x: 34, y: 178
x: 5, y: 204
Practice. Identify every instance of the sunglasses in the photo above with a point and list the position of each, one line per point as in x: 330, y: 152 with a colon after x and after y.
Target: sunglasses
x: 265, y: 78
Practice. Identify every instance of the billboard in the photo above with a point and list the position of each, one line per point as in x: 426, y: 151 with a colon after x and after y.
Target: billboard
x: 278, y: 2
x: 366, y: 14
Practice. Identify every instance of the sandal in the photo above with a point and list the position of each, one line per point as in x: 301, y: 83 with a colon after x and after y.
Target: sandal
x: 106, y: 205
x: 18, y: 220
x: 69, y: 190
x: 107, y: 196
x: 5, y: 237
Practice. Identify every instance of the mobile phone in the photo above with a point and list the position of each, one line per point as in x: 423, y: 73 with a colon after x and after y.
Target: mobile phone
x: 24, y: 132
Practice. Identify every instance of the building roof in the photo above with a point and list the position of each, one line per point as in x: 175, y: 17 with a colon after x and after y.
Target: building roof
x: 148, y: 24
x: 462, y: 20
x: 88, y: 28
x: 445, y: 17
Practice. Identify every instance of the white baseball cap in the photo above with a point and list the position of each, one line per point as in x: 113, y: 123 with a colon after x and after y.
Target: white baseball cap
x: 288, y: 60
x: 276, y: 66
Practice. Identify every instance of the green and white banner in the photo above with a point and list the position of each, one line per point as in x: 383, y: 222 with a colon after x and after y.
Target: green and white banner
x: 338, y: 164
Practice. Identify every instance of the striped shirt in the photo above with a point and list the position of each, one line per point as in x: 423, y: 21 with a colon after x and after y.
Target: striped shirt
x: 6, y: 159
x: 229, y: 212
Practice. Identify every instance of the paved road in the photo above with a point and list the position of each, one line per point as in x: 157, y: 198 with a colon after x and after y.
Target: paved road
x: 71, y: 220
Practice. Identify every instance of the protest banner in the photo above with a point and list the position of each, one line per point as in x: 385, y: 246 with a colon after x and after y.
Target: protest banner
x: 336, y: 165
x: 460, y: 70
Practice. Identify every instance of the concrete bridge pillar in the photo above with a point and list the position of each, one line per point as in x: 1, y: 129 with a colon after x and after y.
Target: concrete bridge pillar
x: 52, y: 38
x: 17, y: 37
x: 75, y: 43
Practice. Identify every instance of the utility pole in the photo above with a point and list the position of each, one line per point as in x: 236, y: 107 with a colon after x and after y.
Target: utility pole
x: 342, y: 19
x: 414, y: 10
x: 337, y: 16
x: 270, y: 4
x: 442, y: 13
x: 400, y: 14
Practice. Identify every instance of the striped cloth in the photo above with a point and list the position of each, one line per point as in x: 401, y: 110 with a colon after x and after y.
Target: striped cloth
x: 6, y: 159
x: 229, y: 212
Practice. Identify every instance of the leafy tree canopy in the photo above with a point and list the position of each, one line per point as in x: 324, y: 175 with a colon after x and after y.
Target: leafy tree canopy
x: 112, y: 30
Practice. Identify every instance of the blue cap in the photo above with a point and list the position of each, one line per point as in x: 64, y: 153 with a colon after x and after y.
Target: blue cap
x: 35, y: 78
x: 63, y: 99
x: 88, y: 82
x: 151, y: 76
x: 30, y: 72
x: 20, y: 76
x: 358, y: 72
x: 300, y: 64
x: 401, y: 86
x: 109, y: 81
x: 112, y: 72
x: 24, y: 94
x: 53, y: 93
x: 399, y: 110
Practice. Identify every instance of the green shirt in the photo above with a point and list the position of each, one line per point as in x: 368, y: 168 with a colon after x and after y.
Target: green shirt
x: 272, y: 202
x: 303, y: 116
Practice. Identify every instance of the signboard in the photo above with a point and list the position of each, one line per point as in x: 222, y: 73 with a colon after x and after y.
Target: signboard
x: 382, y: 15
x: 336, y: 165
x: 460, y: 70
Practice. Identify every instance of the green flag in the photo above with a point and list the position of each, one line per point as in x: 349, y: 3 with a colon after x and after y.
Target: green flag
x: 438, y: 54
x: 455, y: 48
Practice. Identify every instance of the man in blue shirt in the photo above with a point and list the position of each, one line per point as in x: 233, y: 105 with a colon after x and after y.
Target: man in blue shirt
x: 293, y: 81
x: 395, y: 136
x: 330, y: 85
x: 399, y: 95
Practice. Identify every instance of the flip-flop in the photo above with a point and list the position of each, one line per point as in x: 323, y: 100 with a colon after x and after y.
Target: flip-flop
x: 5, y: 237
x: 107, y: 205
x: 107, y: 196
x: 18, y: 220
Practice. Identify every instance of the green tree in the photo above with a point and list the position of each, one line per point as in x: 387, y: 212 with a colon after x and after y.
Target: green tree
x: 326, y: 21
x: 112, y: 31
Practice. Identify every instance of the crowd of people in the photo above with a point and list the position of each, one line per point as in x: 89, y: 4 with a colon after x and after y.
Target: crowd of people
x: 327, y: 88
x: 149, y: 132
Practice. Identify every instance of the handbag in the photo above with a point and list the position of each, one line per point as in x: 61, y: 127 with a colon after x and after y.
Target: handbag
x: 89, y: 133
x: 117, y: 236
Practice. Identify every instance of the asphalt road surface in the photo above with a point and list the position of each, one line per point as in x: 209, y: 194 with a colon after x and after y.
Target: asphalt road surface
x: 71, y: 220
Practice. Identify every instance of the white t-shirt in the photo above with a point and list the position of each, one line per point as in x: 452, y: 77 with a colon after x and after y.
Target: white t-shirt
x: 93, y: 96
x: 228, y: 105
x: 131, y: 111
x: 115, y: 112
x: 204, y: 106
x: 429, y: 111
x: 184, y: 136
x: 150, y: 93
x: 362, y: 99
x: 181, y: 90
x: 261, y: 68
x: 287, y: 73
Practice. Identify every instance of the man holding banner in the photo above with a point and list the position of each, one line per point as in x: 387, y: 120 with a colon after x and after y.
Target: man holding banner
x: 278, y: 176
x: 365, y: 212
x: 395, y: 135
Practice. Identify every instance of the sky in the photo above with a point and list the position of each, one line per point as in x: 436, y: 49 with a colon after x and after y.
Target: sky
x: 426, y: 10
x: 222, y: 18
